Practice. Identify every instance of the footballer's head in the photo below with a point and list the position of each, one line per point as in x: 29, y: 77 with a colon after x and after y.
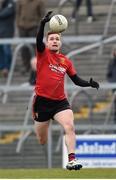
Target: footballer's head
x: 53, y: 41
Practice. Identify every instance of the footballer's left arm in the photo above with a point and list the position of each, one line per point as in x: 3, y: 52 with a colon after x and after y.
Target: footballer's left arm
x: 80, y: 82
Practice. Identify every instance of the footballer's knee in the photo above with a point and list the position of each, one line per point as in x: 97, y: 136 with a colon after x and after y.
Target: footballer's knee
x: 42, y: 140
x: 69, y: 128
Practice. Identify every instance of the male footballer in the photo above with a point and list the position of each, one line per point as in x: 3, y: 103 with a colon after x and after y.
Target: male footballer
x: 50, y: 101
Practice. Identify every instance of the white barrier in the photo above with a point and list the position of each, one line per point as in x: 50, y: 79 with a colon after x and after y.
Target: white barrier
x: 94, y: 151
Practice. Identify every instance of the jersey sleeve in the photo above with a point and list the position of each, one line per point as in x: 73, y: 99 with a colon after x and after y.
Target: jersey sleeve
x: 40, y: 54
x: 71, y: 69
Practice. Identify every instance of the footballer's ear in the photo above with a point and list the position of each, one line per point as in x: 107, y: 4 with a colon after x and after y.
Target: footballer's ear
x: 60, y: 43
x: 46, y: 43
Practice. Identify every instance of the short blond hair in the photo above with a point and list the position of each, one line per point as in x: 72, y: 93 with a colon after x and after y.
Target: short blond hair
x: 50, y: 32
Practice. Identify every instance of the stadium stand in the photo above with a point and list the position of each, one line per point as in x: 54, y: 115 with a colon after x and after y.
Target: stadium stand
x: 88, y: 64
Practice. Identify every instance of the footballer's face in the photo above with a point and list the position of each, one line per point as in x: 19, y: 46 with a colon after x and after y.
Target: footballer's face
x: 54, y: 42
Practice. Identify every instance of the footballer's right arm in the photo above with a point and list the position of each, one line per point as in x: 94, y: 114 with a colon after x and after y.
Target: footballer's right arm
x: 40, y: 34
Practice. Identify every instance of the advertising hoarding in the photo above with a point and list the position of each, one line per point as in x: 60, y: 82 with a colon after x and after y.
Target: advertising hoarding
x: 94, y: 151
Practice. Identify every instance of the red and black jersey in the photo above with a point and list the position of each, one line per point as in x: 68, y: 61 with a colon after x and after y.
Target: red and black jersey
x: 51, y: 69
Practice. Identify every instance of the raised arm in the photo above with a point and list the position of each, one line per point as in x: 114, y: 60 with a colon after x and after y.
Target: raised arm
x: 40, y: 34
x: 80, y: 82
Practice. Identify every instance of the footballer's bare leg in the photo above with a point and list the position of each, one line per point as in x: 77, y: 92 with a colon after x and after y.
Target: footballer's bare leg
x: 41, y: 130
x: 65, y: 118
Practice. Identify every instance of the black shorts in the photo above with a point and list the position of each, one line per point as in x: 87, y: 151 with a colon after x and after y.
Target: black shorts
x: 45, y: 109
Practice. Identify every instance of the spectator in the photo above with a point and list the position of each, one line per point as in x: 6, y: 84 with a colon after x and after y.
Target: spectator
x: 111, y: 76
x: 28, y: 15
x: 7, y: 18
x: 32, y: 77
x: 89, y: 10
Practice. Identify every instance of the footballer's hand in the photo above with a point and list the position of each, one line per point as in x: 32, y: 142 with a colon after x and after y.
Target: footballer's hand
x: 94, y: 84
x: 47, y: 17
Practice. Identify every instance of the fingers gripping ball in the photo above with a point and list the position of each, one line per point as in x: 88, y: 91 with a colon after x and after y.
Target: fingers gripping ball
x: 58, y: 23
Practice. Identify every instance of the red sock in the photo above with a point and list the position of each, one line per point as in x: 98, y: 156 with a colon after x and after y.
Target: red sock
x: 71, y: 156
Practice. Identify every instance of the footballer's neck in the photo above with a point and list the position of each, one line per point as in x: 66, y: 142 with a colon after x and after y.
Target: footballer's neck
x: 55, y: 51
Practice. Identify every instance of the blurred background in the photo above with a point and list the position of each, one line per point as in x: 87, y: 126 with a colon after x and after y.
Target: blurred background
x: 89, y: 41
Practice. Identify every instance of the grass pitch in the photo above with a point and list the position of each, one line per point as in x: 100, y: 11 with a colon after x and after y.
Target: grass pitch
x: 58, y: 174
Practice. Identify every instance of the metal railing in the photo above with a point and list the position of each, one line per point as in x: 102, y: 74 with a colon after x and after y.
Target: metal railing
x: 20, y: 42
x: 25, y: 125
x: 25, y: 128
x: 106, y: 27
x: 10, y: 76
